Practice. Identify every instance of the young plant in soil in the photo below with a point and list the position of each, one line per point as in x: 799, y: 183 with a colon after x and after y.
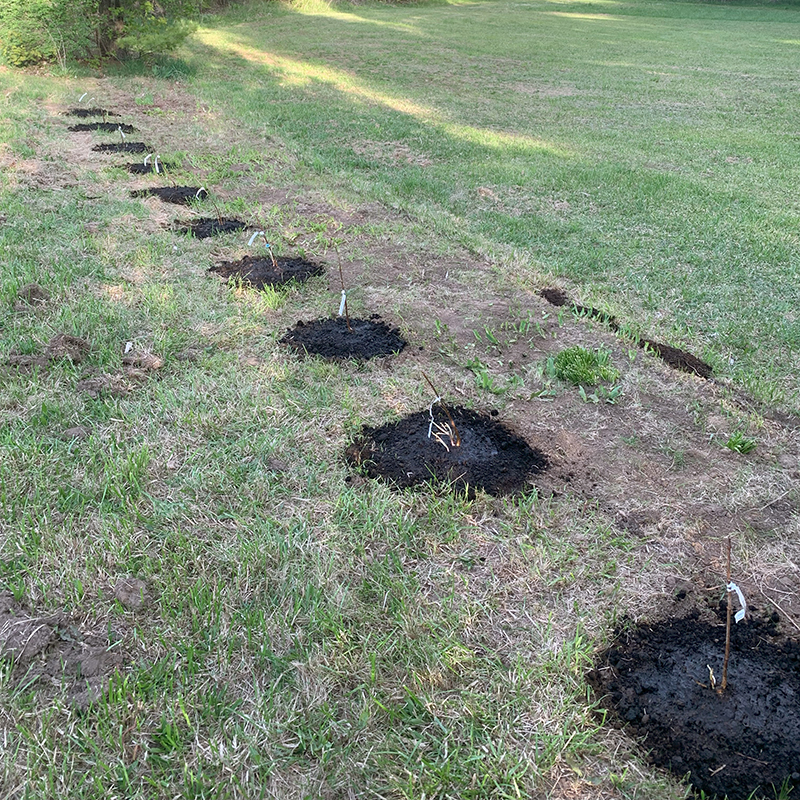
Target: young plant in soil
x: 450, y: 429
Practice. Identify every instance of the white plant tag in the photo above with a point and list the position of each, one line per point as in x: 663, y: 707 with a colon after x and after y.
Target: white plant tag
x: 430, y: 411
x: 147, y: 158
x: 732, y: 587
x: 253, y: 237
x: 344, y: 300
x: 128, y: 347
x: 80, y: 99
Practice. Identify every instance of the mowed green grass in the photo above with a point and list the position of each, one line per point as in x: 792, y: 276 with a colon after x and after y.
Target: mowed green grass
x: 645, y: 153
x: 308, y: 637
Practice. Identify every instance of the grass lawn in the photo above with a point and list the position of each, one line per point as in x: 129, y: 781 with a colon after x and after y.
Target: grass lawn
x: 178, y: 524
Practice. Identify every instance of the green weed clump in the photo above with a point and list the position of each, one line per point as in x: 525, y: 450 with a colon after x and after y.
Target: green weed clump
x: 740, y: 443
x: 584, y: 367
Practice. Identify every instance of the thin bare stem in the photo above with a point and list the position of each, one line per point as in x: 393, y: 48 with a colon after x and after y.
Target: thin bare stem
x: 457, y: 436
x: 724, y: 682
x: 344, y: 294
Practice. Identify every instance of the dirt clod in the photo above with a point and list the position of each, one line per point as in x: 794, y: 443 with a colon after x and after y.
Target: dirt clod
x: 179, y: 195
x: 77, y: 432
x: 31, y: 295
x: 490, y: 457
x: 259, y: 271
x: 63, y: 345
x: 656, y: 681
x: 52, y: 655
x: 133, y: 593
x: 330, y: 338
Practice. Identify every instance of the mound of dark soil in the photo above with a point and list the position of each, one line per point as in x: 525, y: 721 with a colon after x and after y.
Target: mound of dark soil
x: 179, y: 195
x: 84, y: 113
x: 31, y: 296
x: 259, y: 271
x: 656, y: 680
x: 123, y: 147
x: 107, y: 127
x: 145, y: 169
x: 678, y: 359
x: 490, y: 457
x: 330, y: 338
x: 54, y: 654
x: 210, y: 226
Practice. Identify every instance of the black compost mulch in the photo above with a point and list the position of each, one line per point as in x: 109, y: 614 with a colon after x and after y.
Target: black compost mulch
x: 742, y: 743
x: 178, y: 195
x: 145, y: 169
x: 422, y: 448
x: 107, y: 127
x: 123, y: 147
x: 260, y: 271
x: 332, y: 339
x: 206, y: 227
x: 85, y: 113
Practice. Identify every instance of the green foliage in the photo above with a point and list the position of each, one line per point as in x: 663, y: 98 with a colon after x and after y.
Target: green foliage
x: 33, y: 31
x: 149, y: 35
x: 584, y: 367
x: 740, y: 443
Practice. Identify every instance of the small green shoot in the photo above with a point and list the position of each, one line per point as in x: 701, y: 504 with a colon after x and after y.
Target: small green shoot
x: 740, y: 443
x: 602, y: 394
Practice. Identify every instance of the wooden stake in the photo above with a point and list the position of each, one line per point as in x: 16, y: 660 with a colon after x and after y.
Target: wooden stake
x: 457, y: 441
x: 724, y: 683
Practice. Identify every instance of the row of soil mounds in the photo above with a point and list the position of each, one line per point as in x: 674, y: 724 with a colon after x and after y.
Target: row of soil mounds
x: 739, y: 744
x: 673, y: 356
x: 202, y: 228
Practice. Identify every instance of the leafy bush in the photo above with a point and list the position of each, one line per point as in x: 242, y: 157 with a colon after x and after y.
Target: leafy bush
x: 32, y: 31
x: 39, y: 30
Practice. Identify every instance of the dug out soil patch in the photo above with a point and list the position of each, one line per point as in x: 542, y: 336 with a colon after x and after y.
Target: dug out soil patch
x: 420, y: 448
x: 331, y: 338
x: 657, y: 681
x: 53, y: 654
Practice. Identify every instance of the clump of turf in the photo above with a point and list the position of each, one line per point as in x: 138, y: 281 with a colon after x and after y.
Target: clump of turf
x: 584, y: 367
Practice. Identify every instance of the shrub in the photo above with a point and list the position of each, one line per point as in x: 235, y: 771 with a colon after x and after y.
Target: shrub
x: 32, y: 31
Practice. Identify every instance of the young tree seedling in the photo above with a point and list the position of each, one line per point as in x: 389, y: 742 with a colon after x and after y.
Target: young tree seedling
x: 740, y: 614
x: 266, y: 244
x: 209, y: 197
x: 451, y: 430
x: 343, y: 304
